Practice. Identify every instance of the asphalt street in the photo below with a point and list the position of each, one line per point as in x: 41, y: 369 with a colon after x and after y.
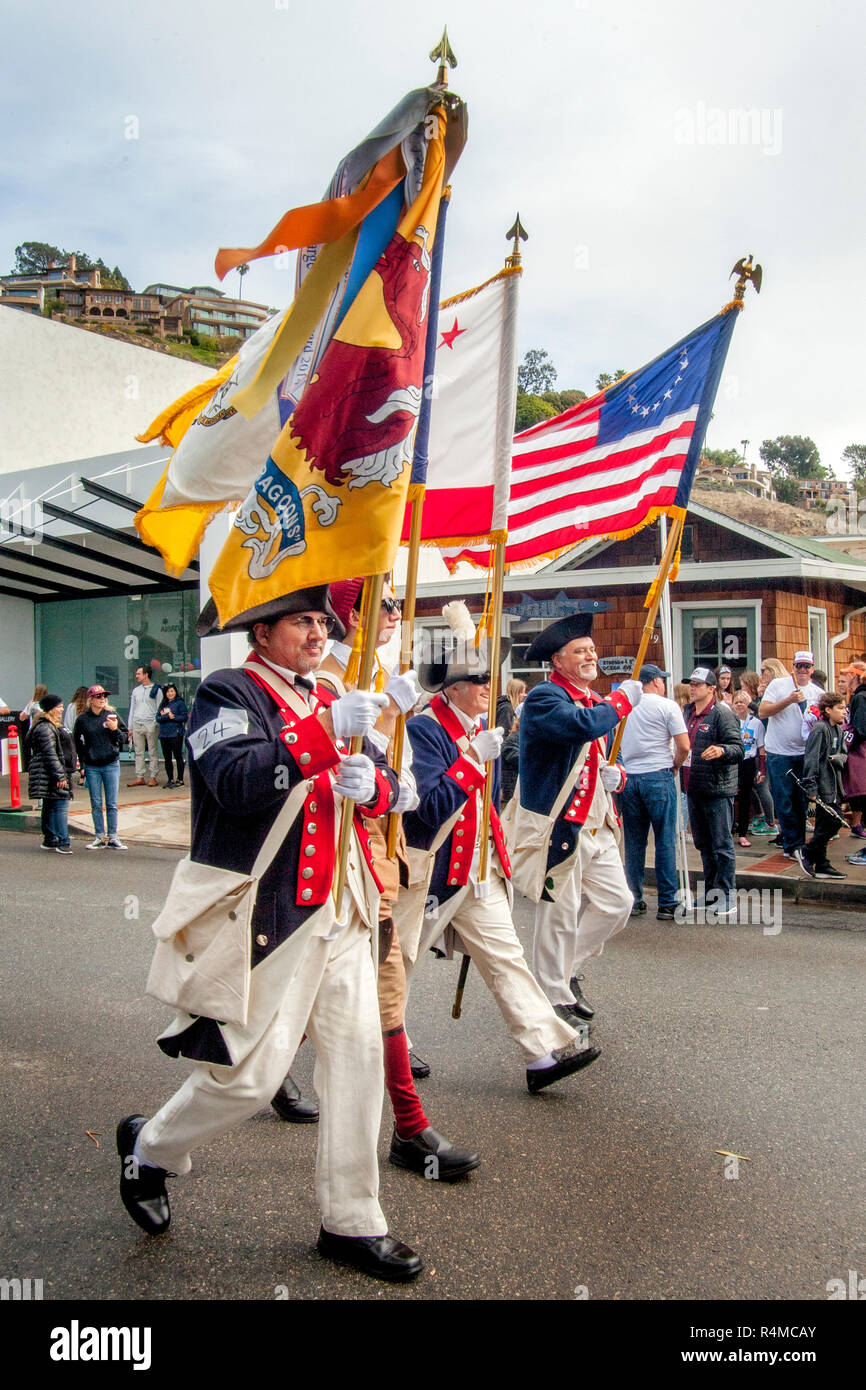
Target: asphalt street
x: 608, y: 1186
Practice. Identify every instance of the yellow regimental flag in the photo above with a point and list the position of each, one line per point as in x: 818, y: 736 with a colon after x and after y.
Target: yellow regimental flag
x: 329, y: 502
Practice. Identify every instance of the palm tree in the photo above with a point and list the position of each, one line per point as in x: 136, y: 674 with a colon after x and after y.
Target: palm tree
x: 242, y: 270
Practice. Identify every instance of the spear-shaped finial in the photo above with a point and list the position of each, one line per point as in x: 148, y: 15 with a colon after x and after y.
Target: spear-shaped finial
x: 746, y: 270
x: 444, y: 55
x: 517, y: 233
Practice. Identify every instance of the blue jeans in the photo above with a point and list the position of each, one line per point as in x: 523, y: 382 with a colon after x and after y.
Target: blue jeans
x: 109, y: 778
x: 712, y: 822
x: 55, y: 821
x: 650, y: 799
x: 788, y: 799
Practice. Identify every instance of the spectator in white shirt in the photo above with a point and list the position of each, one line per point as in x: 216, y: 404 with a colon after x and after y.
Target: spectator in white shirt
x: 784, y: 703
x: 654, y: 745
x: 143, y: 704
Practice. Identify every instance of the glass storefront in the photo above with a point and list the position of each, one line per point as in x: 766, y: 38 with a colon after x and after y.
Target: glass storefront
x: 102, y: 640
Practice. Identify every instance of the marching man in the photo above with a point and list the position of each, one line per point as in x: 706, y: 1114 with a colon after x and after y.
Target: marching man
x: 563, y: 768
x: 450, y: 751
x: 415, y: 1144
x: 256, y: 734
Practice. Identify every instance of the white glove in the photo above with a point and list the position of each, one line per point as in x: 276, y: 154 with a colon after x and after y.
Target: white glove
x: 404, y: 691
x: 632, y: 690
x: 356, y: 778
x: 407, y: 799
x: 357, y: 712
x: 487, y: 744
x: 611, y: 777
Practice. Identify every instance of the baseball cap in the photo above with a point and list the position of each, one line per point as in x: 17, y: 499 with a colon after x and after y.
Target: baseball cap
x: 97, y: 690
x: 804, y: 656
x: 651, y: 673
x: 703, y: 674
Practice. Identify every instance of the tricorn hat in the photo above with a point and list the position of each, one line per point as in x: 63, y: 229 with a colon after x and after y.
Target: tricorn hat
x: 577, y: 624
x: 459, y: 658
x: 301, y: 601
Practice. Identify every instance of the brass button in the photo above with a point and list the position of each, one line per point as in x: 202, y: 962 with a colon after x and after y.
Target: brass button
x: 233, y: 916
x: 290, y: 738
x: 261, y: 939
x: 310, y: 851
x: 453, y: 880
x: 307, y: 873
x: 311, y: 827
x: 304, y: 758
x: 461, y: 818
x: 460, y: 775
x: 313, y: 807
x: 565, y: 844
x: 459, y: 832
x: 189, y: 957
x: 306, y: 895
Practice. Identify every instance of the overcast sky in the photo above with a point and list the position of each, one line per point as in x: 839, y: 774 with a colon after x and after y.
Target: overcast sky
x: 608, y: 125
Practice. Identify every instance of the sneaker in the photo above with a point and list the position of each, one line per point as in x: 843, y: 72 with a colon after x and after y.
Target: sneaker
x: 52, y: 845
x: 114, y: 843
x: 67, y: 849
x: 776, y: 841
x: 829, y: 872
x: 807, y: 867
x: 859, y: 858
x: 169, y: 785
x: 859, y: 832
x: 760, y: 827
x: 97, y: 844
x: 638, y: 908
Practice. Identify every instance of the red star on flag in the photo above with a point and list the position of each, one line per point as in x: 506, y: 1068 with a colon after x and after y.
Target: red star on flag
x: 448, y: 336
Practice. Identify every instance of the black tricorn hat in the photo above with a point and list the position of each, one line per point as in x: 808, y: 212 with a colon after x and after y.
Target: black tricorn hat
x: 462, y: 661
x: 301, y: 601
x: 565, y: 630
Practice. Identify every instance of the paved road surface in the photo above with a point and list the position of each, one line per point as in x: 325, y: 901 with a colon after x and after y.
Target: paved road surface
x: 714, y: 1038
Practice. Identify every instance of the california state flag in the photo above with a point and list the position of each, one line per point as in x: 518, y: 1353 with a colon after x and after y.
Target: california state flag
x: 472, y: 415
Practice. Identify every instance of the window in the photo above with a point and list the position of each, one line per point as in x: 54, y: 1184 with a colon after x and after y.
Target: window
x: 818, y: 636
x: 715, y: 634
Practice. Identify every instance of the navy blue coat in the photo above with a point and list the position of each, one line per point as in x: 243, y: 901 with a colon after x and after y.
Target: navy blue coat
x: 243, y: 759
x: 553, y: 730
x: 444, y: 779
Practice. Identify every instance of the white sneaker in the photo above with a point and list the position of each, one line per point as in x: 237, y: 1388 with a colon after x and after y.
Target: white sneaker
x: 97, y: 844
x: 114, y: 843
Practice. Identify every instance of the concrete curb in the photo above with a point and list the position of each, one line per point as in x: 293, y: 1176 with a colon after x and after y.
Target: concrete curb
x: 821, y: 892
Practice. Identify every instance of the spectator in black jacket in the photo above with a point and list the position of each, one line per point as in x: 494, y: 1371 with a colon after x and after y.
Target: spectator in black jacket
x: 823, y: 762
x: 99, y: 735
x: 171, y: 720
x: 710, y: 775
x: 51, y: 769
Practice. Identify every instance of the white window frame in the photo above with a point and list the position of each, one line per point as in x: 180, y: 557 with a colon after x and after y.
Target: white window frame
x: 678, y: 609
x: 821, y: 655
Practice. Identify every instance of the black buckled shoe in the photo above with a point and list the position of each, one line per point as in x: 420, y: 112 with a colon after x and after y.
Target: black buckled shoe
x: 582, y: 1007
x: 142, y: 1188
x: 568, y: 1059
x: 568, y: 1013
x: 420, y: 1069
x: 432, y: 1155
x: 381, y: 1256
x: 290, y: 1105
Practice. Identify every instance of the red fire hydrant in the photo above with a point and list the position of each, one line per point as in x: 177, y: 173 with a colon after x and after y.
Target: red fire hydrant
x: 14, y: 771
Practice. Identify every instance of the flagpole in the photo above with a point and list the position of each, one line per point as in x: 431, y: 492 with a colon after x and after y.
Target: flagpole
x: 659, y: 582
x: 495, y: 644
x: 668, y: 643
x: 371, y: 607
x: 406, y: 636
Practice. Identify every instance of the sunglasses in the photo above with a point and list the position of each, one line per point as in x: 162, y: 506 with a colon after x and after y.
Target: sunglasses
x: 478, y: 680
x: 803, y: 666
x: 390, y: 605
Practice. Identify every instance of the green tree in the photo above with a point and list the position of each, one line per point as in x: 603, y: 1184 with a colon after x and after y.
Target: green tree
x: 536, y: 373
x: 571, y: 397
x: 723, y: 458
x: 786, y: 489
x: 792, y: 456
x: 34, y: 257
x: 605, y: 379
x: 854, y: 455
x: 531, y: 410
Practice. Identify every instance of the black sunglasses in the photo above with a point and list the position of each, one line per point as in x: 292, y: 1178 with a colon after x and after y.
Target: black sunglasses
x: 390, y: 605
x: 478, y: 680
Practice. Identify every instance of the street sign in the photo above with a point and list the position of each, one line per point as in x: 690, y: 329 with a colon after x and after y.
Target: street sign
x: 616, y: 665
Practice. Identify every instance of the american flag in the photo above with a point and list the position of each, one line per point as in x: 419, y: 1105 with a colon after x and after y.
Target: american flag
x: 613, y: 463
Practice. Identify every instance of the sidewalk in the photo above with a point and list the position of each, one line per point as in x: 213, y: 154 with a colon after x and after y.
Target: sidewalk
x: 765, y: 866
x: 146, y: 815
